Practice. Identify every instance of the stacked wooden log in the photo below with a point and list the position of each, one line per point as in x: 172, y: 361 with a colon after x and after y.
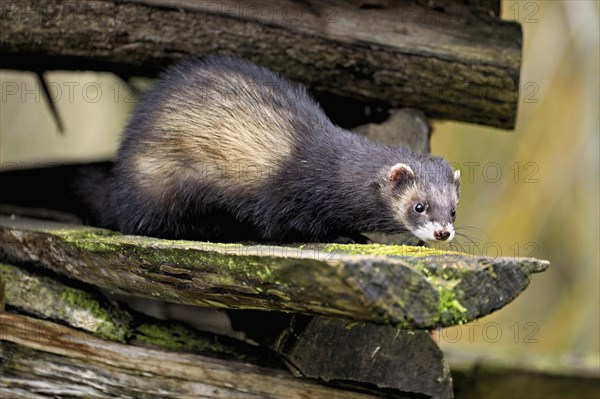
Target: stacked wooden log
x: 335, y: 320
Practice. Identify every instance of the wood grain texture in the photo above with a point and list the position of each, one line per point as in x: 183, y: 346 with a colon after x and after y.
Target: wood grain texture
x: 382, y: 356
x: 377, y: 358
x: 45, y: 359
x: 453, y: 61
x: 413, y: 288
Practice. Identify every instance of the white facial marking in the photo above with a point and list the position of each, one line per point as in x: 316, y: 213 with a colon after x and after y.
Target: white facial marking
x: 450, y: 230
x: 427, y: 231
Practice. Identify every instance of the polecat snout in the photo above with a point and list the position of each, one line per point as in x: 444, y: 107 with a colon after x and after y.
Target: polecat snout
x: 221, y: 149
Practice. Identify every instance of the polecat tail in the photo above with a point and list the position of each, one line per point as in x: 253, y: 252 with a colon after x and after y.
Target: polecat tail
x: 94, y: 186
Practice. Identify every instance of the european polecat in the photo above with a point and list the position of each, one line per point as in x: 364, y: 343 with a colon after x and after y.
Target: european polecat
x: 221, y: 149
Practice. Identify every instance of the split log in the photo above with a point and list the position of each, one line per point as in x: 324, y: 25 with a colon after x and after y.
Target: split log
x: 451, y: 60
x: 90, y: 311
x: 42, y: 296
x: 411, y: 287
x: 44, y: 359
x: 382, y: 356
x: 377, y: 358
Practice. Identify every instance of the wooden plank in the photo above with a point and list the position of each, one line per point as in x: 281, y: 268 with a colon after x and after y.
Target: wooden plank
x: 41, y: 359
x: 91, y: 311
x: 332, y: 350
x: 453, y: 62
x: 411, y: 287
x: 327, y: 349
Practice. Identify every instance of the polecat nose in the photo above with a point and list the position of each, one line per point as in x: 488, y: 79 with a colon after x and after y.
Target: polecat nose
x: 441, y: 235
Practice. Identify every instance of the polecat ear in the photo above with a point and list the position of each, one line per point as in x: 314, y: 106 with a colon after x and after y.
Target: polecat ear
x: 400, y: 173
x: 457, y: 182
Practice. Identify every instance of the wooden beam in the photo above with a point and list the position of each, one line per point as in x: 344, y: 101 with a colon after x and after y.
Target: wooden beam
x: 327, y: 349
x: 90, y: 311
x: 415, y: 288
x: 453, y: 62
x: 46, y: 358
x: 381, y: 356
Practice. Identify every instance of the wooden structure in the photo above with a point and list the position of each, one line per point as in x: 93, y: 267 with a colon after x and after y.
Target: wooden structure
x: 454, y: 61
x: 336, y: 321
x: 390, y: 287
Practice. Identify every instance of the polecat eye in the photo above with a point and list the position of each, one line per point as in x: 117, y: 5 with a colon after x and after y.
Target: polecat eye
x: 419, y: 208
x: 453, y: 213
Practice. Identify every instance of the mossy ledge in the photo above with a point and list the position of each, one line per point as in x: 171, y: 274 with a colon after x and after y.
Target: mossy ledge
x: 45, y: 359
x: 416, y: 288
x: 50, y: 299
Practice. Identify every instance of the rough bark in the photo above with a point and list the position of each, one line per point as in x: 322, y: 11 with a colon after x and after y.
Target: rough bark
x: 89, y: 310
x: 415, y: 288
x: 388, y: 358
x: 406, y: 361
x: 454, y: 61
x: 45, y: 359
x: 45, y: 297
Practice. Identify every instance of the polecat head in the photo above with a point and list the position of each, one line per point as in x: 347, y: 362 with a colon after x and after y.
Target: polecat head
x: 424, y: 198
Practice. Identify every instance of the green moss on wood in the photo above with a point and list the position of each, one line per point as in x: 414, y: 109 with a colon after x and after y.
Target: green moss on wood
x: 174, y: 337
x: 412, y: 287
x: 51, y: 300
x: 451, y: 311
x: 178, y: 337
x: 384, y: 250
x: 105, y: 321
x: 432, y: 264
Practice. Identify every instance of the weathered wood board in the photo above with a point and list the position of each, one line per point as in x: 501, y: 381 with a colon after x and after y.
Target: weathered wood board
x: 403, y: 360
x: 41, y: 358
x: 453, y: 61
x: 410, y: 287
